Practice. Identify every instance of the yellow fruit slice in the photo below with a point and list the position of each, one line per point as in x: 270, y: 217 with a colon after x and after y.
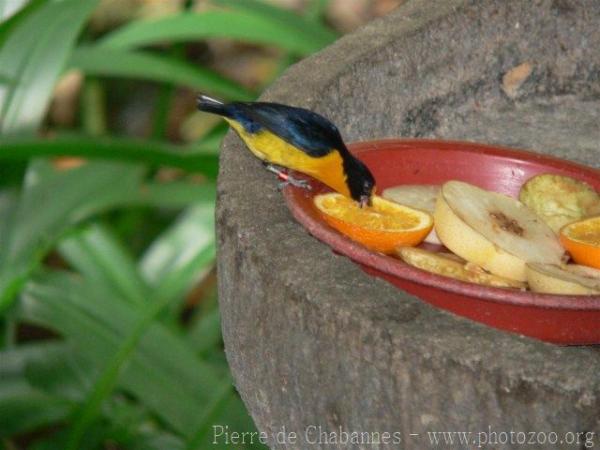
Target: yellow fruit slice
x: 559, y: 199
x: 582, y: 241
x: 493, y: 230
x: 449, y: 265
x: 570, y: 279
x: 382, y: 227
x: 419, y: 196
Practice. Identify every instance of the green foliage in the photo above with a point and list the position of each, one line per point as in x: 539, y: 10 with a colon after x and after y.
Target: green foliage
x: 261, y: 26
x: 298, y: 27
x: 197, y: 159
x: 99, y: 264
x: 110, y: 62
x: 43, y: 38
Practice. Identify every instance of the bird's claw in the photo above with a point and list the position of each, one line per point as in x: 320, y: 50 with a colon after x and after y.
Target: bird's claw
x: 302, y: 184
x: 286, y: 179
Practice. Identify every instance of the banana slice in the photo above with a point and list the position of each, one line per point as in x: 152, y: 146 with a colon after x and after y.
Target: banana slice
x: 559, y: 200
x: 449, y: 265
x: 570, y: 279
x: 493, y: 230
x: 418, y: 196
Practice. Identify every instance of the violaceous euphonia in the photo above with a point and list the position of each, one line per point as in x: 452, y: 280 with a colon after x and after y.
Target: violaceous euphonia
x: 297, y: 139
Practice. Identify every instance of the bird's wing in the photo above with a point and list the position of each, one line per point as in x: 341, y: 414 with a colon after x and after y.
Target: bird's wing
x: 300, y: 127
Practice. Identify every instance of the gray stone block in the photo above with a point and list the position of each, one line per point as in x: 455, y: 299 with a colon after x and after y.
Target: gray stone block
x: 312, y: 340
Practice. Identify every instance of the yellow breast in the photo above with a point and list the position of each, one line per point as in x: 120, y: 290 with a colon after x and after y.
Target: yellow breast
x: 267, y: 146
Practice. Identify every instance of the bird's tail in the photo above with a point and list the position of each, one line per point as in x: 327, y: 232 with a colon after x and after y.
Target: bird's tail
x: 210, y: 105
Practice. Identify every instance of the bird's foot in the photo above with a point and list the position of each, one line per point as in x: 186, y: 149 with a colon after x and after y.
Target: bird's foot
x: 286, y: 179
x: 289, y: 180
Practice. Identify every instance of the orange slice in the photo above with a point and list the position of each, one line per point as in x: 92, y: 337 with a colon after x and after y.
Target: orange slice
x: 382, y: 227
x: 582, y: 241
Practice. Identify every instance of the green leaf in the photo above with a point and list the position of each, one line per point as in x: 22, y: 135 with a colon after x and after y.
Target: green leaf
x: 33, y: 56
x: 162, y: 372
x: 10, y: 8
x: 15, y: 360
x: 153, y: 440
x: 52, y: 201
x: 97, y: 254
x: 230, y: 412
x: 182, y: 255
x: 52, y: 367
x: 24, y: 408
x: 111, y: 148
x: 133, y: 427
x: 23, y: 405
x: 58, y: 375
x: 202, y: 437
x: 176, y: 194
x: 8, y: 204
x: 286, y: 18
x: 204, y: 333
x: 7, y: 24
x: 108, y: 378
x: 240, y: 25
x: 59, y: 371
x: 115, y: 62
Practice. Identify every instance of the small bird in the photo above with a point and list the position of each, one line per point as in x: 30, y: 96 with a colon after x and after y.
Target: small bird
x: 284, y: 136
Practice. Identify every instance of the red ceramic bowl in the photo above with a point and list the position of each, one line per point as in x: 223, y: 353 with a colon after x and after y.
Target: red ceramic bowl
x: 553, y: 318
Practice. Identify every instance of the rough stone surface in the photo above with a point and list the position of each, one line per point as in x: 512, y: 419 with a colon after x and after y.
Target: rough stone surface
x: 312, y: 340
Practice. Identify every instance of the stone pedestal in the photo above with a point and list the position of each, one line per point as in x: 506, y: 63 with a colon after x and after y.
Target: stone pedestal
x: 315, y: 344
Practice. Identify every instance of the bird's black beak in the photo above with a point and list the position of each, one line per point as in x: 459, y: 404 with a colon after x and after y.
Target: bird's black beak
x: 365, y: 200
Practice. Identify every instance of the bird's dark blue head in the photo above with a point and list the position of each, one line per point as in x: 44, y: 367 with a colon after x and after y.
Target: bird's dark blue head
x: 359, y: 179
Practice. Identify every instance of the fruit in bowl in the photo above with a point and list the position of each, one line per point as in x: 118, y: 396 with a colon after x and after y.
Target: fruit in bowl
x: 382, y: 227
x: 419, y: 196
x: 560, y: 318
x: 582, y: 240
x: 559, y: 200
x: 568, y: 279
x: 494, y: 240
x: 493, y: 230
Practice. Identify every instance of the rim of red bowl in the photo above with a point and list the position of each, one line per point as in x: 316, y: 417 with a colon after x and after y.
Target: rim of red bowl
x: 297, y: 200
